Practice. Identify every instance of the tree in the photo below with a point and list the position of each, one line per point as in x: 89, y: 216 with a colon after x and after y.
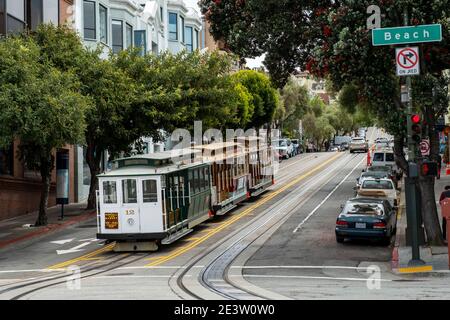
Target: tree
x: 40, y: 106
x: 294, y: 104
x: 264, y: 98
x: 330, y: 39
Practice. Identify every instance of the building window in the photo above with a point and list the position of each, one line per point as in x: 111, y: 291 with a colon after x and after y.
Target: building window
x: 182, y: 29
x: 117, y: 36
x: 196, y: 40
x: 173, y: 26
x: 140, y: 41
x: 14, y: 25
x: 14, y: 13
x: 51, y: 12
x: 2, y: 17
x: 129, y: 35
x: 89, y: 20
x: 7, y: 161
x: 103, y: 24
x: 188, y: 39
x: 35, y: 14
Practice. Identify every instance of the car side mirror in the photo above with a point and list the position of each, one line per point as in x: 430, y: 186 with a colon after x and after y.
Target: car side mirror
x: 357, y: 179
x: 342, y: 206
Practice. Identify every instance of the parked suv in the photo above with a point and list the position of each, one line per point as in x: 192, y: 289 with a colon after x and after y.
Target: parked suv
x: 359, y: 144
x: 284, y: 147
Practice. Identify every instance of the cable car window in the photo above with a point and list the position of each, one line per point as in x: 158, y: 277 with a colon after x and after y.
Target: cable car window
x: 149, y: 191
x: 129, y: 191
x: 196, y: 181
x: 207, y: 176
x: 109, y: 192
x: 191, y: 181
x: 201, y: 179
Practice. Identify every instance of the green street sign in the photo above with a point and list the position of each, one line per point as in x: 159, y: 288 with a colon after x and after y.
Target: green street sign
x: 408, y: 34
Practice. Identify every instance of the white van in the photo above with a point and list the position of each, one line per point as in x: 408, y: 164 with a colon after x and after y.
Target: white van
x: 385, y: 158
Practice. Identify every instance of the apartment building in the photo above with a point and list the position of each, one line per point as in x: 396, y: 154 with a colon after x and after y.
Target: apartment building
x: 155, y: 26
x: 20, y: 187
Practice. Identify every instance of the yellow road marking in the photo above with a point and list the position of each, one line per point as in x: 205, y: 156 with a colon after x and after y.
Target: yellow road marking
x: 84, y: 257
x: 415, y: 269
x: 154, y: 258
x: 235, y: 218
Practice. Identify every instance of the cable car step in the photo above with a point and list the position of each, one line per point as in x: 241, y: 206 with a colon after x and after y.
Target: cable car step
x: 176, y: 236
x: 135, y: 246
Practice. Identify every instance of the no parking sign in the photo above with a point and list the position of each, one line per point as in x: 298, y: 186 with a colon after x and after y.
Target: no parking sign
x: 407, y: 60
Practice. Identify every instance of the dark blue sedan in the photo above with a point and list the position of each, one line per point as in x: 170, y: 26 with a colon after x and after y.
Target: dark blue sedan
x: 366, y: 218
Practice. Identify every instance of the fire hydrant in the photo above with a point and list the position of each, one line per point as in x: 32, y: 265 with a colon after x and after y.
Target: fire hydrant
x: 445, y: 211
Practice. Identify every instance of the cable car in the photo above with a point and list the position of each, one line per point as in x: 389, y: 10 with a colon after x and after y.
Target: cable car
x: 154, y: 198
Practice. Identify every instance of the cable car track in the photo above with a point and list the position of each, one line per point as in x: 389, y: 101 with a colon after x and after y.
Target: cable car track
x: 49, y: 282
x: 215, y: 274
x: 44, y: 282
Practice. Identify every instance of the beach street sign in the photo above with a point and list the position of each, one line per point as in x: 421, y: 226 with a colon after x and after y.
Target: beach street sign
x: 407, y: 61
x: 408, y: 34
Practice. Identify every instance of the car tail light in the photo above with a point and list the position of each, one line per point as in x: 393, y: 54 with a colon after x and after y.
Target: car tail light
x: 341, y: 223
x: 379, y: 225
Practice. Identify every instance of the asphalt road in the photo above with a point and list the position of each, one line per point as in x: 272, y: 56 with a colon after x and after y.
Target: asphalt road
x: 281, y: 245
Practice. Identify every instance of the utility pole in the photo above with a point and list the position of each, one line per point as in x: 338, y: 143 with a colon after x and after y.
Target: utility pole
x: 411, y: 182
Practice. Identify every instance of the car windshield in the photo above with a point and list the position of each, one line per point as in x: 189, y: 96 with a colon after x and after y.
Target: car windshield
x: 375, y: 174
x: 378, y: 157
x: 364, y: 208
x: 377, y: 184
x: 390, y: 157
x: 379, y: 168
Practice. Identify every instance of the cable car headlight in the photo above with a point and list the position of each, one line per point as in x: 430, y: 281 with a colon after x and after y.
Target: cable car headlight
x: 130, y: 221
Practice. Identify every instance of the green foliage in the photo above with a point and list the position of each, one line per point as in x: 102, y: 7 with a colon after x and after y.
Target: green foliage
x: 264, y: 98
x: 39, y: 104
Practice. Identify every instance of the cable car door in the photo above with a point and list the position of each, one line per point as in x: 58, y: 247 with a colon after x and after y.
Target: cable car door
x: 151, y: 205
x: 130, y: 214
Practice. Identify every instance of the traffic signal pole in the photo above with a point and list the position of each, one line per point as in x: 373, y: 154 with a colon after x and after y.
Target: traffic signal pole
x: 411, y: 183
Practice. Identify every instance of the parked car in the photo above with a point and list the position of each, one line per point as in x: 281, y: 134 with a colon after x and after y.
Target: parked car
x: 335, y: 148
x: 345, y: 146
x: 284, y: 148
x: 379, y: 188
x: 297, y: 147
x: 366, y: 218
x: 371, y: 175
x: 358, y: 144
x: 385, y: 157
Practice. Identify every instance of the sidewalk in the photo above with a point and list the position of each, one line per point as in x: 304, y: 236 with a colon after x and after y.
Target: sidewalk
x: 437, y: 257
x: 19, y: 230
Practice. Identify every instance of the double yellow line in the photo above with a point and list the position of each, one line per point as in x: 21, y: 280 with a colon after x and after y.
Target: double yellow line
x: 239, y: 216
x: 85, y: 257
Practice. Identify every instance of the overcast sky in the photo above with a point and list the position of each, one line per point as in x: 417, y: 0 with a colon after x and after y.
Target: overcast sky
x: 251, y: 63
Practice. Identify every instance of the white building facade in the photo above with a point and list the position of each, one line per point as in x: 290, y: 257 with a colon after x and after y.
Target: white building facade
x: 155, y: 26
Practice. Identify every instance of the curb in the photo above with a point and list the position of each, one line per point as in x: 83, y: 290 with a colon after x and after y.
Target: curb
x: 48, y: 229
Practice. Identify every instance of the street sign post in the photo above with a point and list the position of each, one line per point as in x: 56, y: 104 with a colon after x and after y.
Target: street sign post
x: 407, y: 34
x: 407, y: 61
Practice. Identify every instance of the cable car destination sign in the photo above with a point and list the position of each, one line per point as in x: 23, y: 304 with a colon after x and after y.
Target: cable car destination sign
x: 408, y: 34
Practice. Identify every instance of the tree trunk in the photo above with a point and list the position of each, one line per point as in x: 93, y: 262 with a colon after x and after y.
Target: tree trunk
x: 46, y: 171
x: 429, y: 208
x: 93, y: 158
x: 429, y: 212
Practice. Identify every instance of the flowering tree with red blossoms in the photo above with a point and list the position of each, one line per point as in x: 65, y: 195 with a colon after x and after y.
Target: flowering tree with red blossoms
x: 330, y: 39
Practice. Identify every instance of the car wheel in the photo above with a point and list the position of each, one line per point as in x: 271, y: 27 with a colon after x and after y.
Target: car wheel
x: 340, y: 239
x: 386, y: 241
